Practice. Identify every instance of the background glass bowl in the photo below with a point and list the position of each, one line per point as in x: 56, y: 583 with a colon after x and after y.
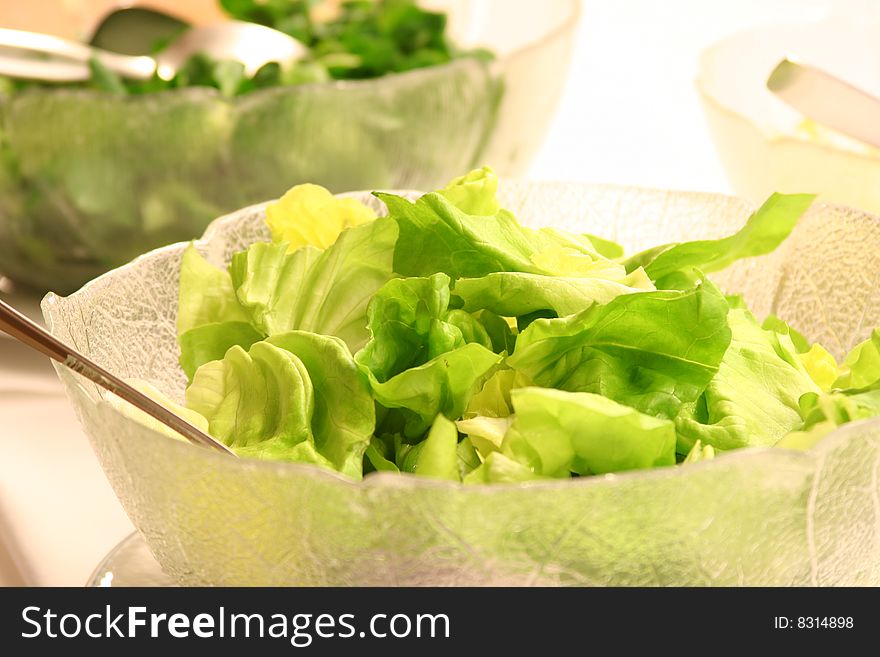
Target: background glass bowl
x: 89, y: 180
x: 761, y: 141
x: 771, y: 516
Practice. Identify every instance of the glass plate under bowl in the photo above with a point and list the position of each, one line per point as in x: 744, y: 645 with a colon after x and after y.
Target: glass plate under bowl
x: 130, y: 563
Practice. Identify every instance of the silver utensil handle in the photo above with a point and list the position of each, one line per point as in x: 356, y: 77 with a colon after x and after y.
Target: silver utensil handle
x: 47, y: 71
x: 36, y: 337
x: 32, y: 48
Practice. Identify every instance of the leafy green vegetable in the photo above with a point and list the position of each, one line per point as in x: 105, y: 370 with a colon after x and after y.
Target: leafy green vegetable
x: 753, y: 400
x: 438, y: 457
x: 211, y: 342
x: 344, y: 415
x: 468, y: 459
x: 499, y: 469
x: 376, y: 457
x: 363, y: 39
x: 699, y: 452
x: 551, y: 353
x: 653, y: 351
x: 763, y: 232
x: 605, y: 247
x: 773, y: 323
x: 438, y: 234
x: 486, y: 433
x: 410, y: 324
x: 474, y: 192
x: 443, y: 385
x: 324, y: 292
x: 309, y: 215
x: 206, y: 295
x: 512, y: 294
x: 494, y: 400
x: 557, y: 433
x: 296, y: 397
x: 862, y: 365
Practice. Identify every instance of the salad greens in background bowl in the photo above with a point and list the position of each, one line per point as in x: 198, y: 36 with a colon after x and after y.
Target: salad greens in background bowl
x: 94, y: 174
x: 540, y: 384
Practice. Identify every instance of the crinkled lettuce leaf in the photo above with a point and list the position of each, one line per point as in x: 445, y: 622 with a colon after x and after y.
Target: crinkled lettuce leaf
x: 410, y: 323
x: 556, y: 433
x: 209, y: 342
x: 753, y: 399
x: 344, y: 416
x: 296, y: 397
x: 493, y: 399
x: 653, y: 351
x: 309, y: 215
x: 474, y: 192
x: 322, y: 292
x: 511, y: 294
x: 861, y: 367
x: 443, y: 385
x: 438, y: 233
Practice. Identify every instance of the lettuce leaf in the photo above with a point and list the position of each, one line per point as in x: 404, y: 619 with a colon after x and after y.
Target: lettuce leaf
x: 295, y: 397
x: 440, y: 233
x: 438, y: 457
x: 699, y: 452
x: 474, y: 192
x: 764, y: 231
x: 209, y: 342
x: 344, y: 416
x: 493, y: 399
x: 410, y: 323
x: 653, y: 351
x: 205, y: 294
x: 753, y: 400
x: 485, y: 433
x: 557, y: 433
x: 443, y: 385
x: 309, y: 215
x: 499, y: 469
x: 861, y: 367
x: 322, y: 292
x: 512, y: 294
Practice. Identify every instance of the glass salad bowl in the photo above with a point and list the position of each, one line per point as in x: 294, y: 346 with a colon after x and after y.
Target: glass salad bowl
x: 753, y: 517
x: 766, y: 146
x: 88, y: 180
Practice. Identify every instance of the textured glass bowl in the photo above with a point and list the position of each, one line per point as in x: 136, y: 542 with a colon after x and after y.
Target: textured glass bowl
x: 760, y: 140
x: 89, y: 180
x: 767, y: 516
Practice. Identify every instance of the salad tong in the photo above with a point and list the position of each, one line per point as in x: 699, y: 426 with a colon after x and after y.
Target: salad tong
x: 827, y: 99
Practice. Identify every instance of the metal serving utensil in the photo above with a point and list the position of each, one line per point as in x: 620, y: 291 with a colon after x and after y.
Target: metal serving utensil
x: 34, y: 336
x: 827, y: 99
x: 37, y: 56
x: 135, y: 30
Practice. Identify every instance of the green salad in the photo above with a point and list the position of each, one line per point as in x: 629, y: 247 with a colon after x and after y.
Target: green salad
x: 353, y: 39
x: 448, y: 340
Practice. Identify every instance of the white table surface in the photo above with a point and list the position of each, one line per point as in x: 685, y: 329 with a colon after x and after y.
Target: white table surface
x: 630, y: 115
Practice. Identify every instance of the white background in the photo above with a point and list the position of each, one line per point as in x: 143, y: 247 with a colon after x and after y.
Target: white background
x: 630, y: 115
